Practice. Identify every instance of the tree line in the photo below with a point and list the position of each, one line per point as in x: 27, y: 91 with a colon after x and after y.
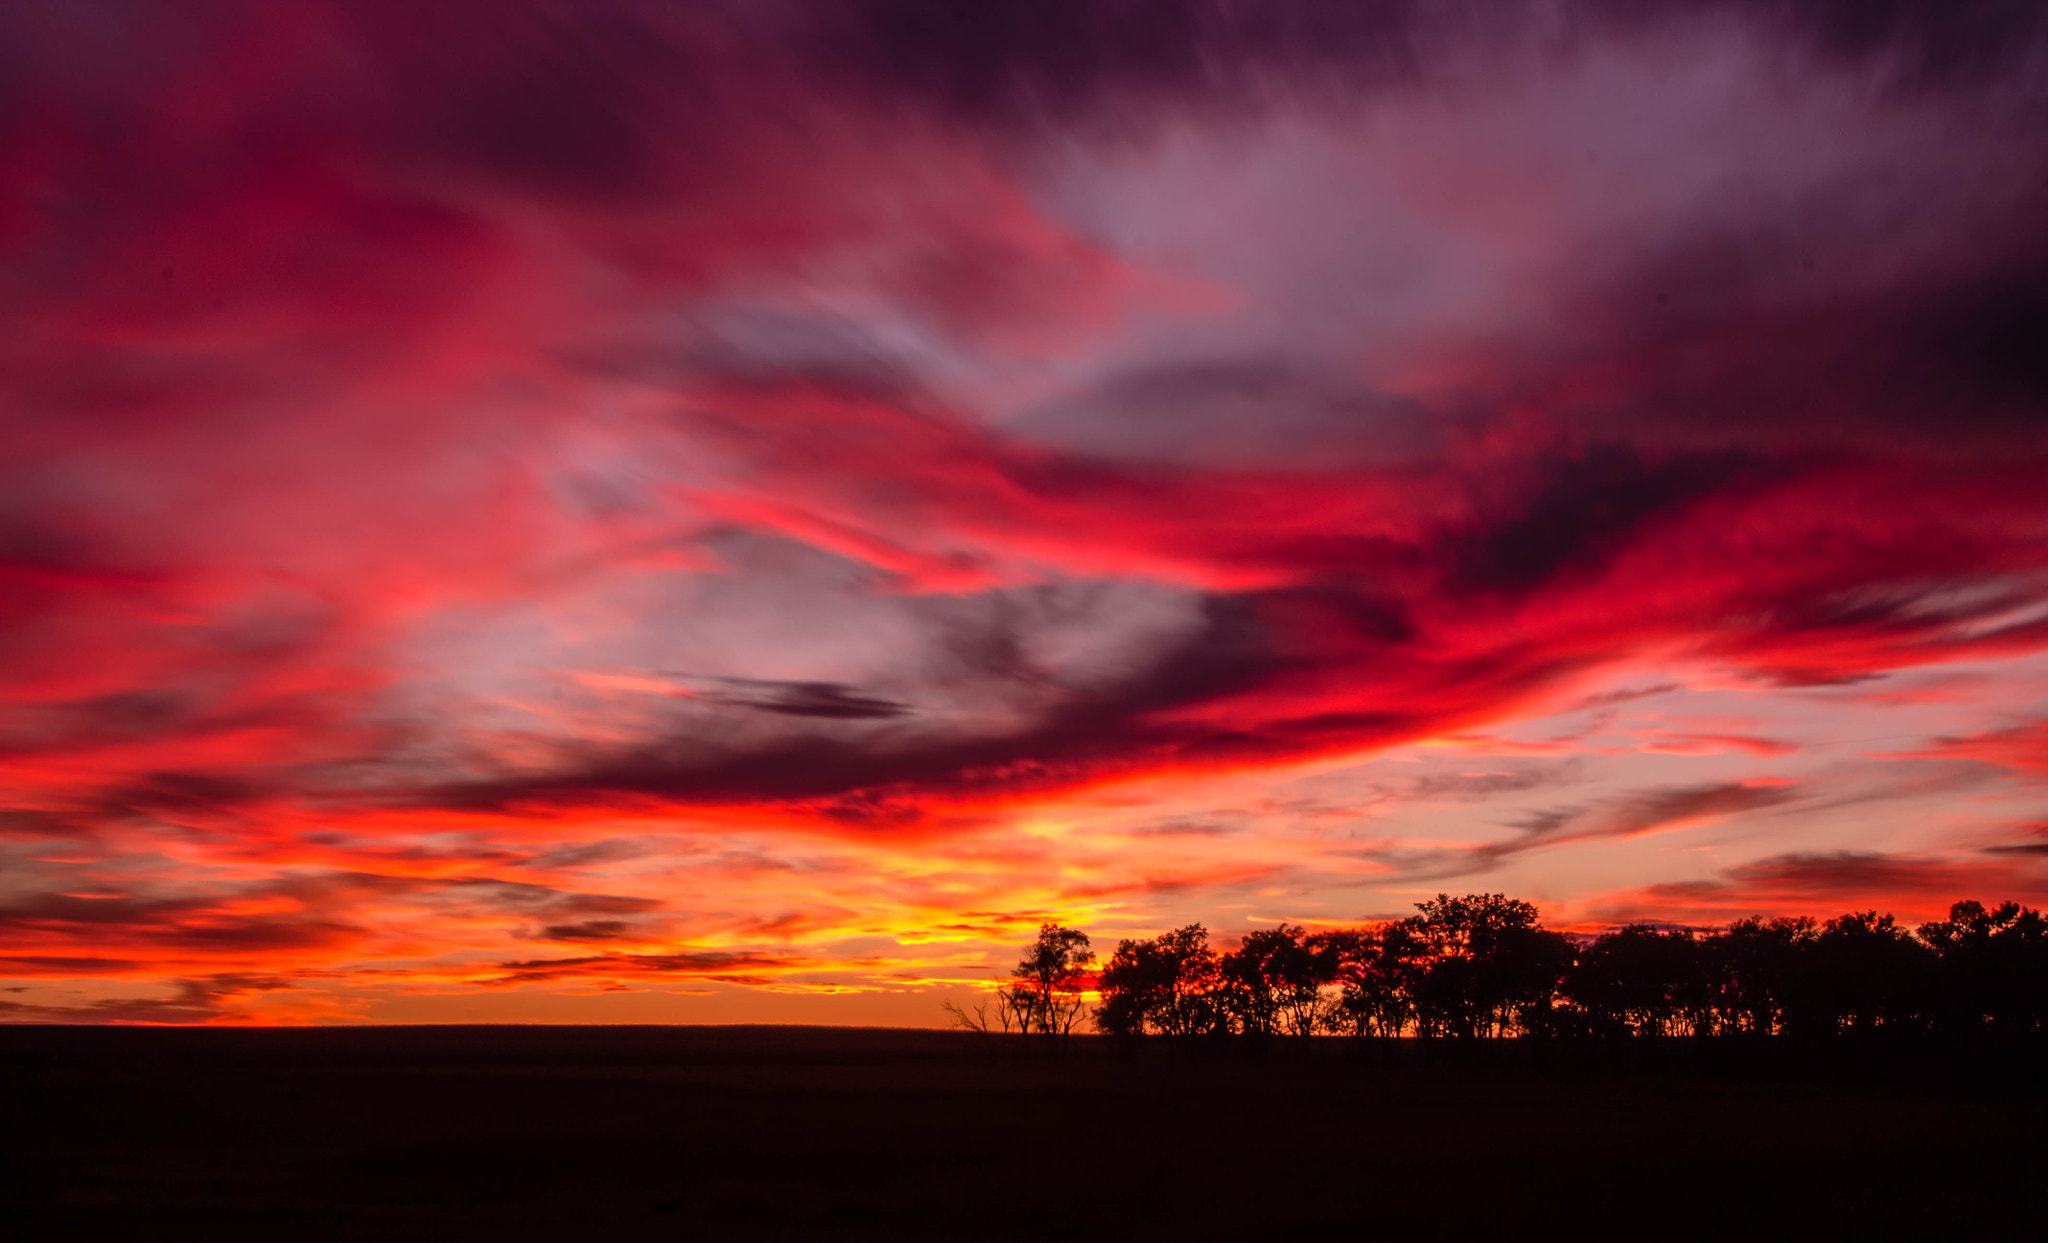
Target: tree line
x: 1483, y: 966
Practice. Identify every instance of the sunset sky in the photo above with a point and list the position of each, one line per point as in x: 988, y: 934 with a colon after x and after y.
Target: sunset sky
x: 635, y: 512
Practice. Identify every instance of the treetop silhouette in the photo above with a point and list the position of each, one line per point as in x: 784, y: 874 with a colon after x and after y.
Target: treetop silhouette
x: 1483, y: 966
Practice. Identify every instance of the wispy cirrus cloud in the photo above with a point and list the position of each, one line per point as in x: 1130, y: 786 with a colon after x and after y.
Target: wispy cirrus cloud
x: 2023, y: 748
x: 1636, y: 813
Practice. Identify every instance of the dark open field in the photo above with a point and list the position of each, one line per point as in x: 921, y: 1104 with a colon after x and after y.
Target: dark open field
x: 794, y: 1133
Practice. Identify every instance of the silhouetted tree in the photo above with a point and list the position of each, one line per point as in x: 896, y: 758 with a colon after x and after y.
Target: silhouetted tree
x: 1482, y: 965
x: 1165, y: 986
x: 1015, y: 1010
x: 1490, y: 962
x: 1863, y: 973
x: 1378, y: 970
x: 1275, y: 980
x: 1643, y: 981
x: 1754, y: 969
x: 973, y: 1018
x: 1993, y: 969
x: 1046, y: 988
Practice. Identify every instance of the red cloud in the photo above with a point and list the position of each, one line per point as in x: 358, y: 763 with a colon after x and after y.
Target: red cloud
x: 2021, y: 747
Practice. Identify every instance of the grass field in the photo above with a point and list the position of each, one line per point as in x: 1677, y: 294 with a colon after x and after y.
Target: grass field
x: 823, y: 1133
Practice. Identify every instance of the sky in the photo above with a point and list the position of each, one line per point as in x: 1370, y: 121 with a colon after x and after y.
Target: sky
x: 631, y: 512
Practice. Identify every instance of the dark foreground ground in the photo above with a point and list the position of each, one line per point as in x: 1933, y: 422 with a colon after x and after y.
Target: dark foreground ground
x: 795, y: 1133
